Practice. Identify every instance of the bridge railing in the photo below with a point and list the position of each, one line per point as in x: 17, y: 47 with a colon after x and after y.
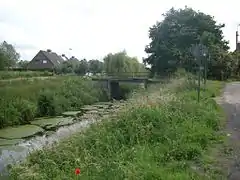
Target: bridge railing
x: 125, y: 74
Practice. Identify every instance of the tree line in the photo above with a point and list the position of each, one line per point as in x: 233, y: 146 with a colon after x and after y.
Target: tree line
x: 113, y: 63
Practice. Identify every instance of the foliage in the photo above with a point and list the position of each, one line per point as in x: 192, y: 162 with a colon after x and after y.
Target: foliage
x: 3, y: 60
x: 11, y: 55
x: 82, y: 67
x: 122, y: 64
x: 159, y: 138
x: 22, y: 100
x: 65, y: 68
x: 95, y: 66
x: 23, y: 64
x: 23, y: 74
x: 172, y: 38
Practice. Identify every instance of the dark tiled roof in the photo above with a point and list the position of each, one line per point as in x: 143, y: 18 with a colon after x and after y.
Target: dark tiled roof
x: 53, y: 57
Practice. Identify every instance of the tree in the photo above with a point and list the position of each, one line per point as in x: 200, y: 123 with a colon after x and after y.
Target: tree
x: 121, y: 64
x: 172, y: 38
x: 82, y: 67
x: 23, y: 64
x: 95, y: 66
x: 10, y: 53
x: 3, y: 60
x: 65, y: 67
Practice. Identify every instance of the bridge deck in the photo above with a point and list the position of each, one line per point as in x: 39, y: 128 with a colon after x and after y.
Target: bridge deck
x: 139, y: 80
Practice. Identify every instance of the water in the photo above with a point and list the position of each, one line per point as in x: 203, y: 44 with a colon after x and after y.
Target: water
x: 20, y: 151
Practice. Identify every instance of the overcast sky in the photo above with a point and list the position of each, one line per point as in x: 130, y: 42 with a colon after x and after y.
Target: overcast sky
x: 93, y: 28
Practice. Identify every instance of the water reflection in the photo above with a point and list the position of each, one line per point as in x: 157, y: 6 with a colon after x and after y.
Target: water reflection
x: 17, y: 153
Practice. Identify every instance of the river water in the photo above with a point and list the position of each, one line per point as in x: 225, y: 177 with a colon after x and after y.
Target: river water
x: 20, y: 151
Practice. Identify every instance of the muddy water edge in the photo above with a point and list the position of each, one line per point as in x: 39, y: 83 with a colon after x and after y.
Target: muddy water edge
x: 16, y: 143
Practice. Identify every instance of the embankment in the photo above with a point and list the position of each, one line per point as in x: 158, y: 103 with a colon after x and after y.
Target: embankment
x: 21, y: 101
x: 162, y: 133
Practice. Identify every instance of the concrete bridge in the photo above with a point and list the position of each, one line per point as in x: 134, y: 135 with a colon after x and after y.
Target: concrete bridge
x: 112, y: 83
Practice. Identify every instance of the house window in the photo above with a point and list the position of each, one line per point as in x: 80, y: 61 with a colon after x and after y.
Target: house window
x: 44, y: 61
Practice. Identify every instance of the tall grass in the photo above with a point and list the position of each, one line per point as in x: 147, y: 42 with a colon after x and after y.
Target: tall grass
x: 21, y: 101
x: 160, y: 134
x: 23, y: 74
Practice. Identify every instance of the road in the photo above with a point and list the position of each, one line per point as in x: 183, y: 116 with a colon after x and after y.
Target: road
x: 231, y: 105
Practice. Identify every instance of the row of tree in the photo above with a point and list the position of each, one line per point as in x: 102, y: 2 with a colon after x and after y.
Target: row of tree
x: 118, y: 63
x: 172, y: 38
x: 113, y: 64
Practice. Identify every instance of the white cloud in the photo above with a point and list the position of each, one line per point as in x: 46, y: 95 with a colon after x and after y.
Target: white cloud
x: 93, y: 28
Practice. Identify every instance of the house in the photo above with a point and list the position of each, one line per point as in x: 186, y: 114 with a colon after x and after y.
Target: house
x: 46, y: 60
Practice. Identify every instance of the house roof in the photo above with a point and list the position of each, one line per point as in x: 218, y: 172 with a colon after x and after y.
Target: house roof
x: 53, y: 57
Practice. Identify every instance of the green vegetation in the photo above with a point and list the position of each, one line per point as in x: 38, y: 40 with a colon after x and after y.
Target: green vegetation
x: 160, y: 134
x: 21, y: 101
x: 20, y: 132
x: 172, y: 38
x: 23, y: 74
x: 49, y: 123
x: 120, y: 64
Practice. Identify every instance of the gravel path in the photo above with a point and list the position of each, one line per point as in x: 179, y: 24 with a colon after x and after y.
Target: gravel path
x: 231, y: 105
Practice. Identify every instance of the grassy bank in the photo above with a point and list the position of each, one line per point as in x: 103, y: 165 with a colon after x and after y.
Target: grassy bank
x: 23, y: 74
x: 21, y: 101
x: 160, y: 134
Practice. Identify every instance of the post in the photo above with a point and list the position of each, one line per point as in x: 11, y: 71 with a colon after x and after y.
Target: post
x: 145, y: 84
x: 199, y: 83
x: 205, y: 72
x: 109, y: 89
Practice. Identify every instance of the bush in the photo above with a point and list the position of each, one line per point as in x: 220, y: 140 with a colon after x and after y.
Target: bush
x: 46, y: 104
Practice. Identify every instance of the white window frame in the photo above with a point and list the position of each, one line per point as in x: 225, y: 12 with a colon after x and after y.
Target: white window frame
x: 44, y: 61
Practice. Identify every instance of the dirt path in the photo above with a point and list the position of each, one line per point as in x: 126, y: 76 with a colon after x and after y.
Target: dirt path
x: 231, y: 104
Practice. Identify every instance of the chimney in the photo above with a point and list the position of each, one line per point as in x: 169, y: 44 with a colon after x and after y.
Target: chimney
x: 72, y: 57
x: 49, y: 50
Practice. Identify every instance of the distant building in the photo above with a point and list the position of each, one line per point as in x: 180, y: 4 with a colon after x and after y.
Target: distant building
x: 46, y: 60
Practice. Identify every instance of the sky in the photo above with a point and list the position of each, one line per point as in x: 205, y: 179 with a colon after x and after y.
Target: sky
x: 94, y: 28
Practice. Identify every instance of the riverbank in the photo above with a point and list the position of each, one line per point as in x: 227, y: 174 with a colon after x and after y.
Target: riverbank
x: 162, y: 133
x: 17, y: 142
x: 6, y: 75
x: 23, y: 100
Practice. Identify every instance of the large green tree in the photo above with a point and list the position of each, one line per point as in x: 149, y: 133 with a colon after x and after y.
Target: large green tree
x: 10, y: 53
x: 172, y: 38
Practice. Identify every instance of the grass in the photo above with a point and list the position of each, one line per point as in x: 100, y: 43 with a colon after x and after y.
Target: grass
x: 162, y: 134
x: 21, y: 101
x: 23, y: 74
